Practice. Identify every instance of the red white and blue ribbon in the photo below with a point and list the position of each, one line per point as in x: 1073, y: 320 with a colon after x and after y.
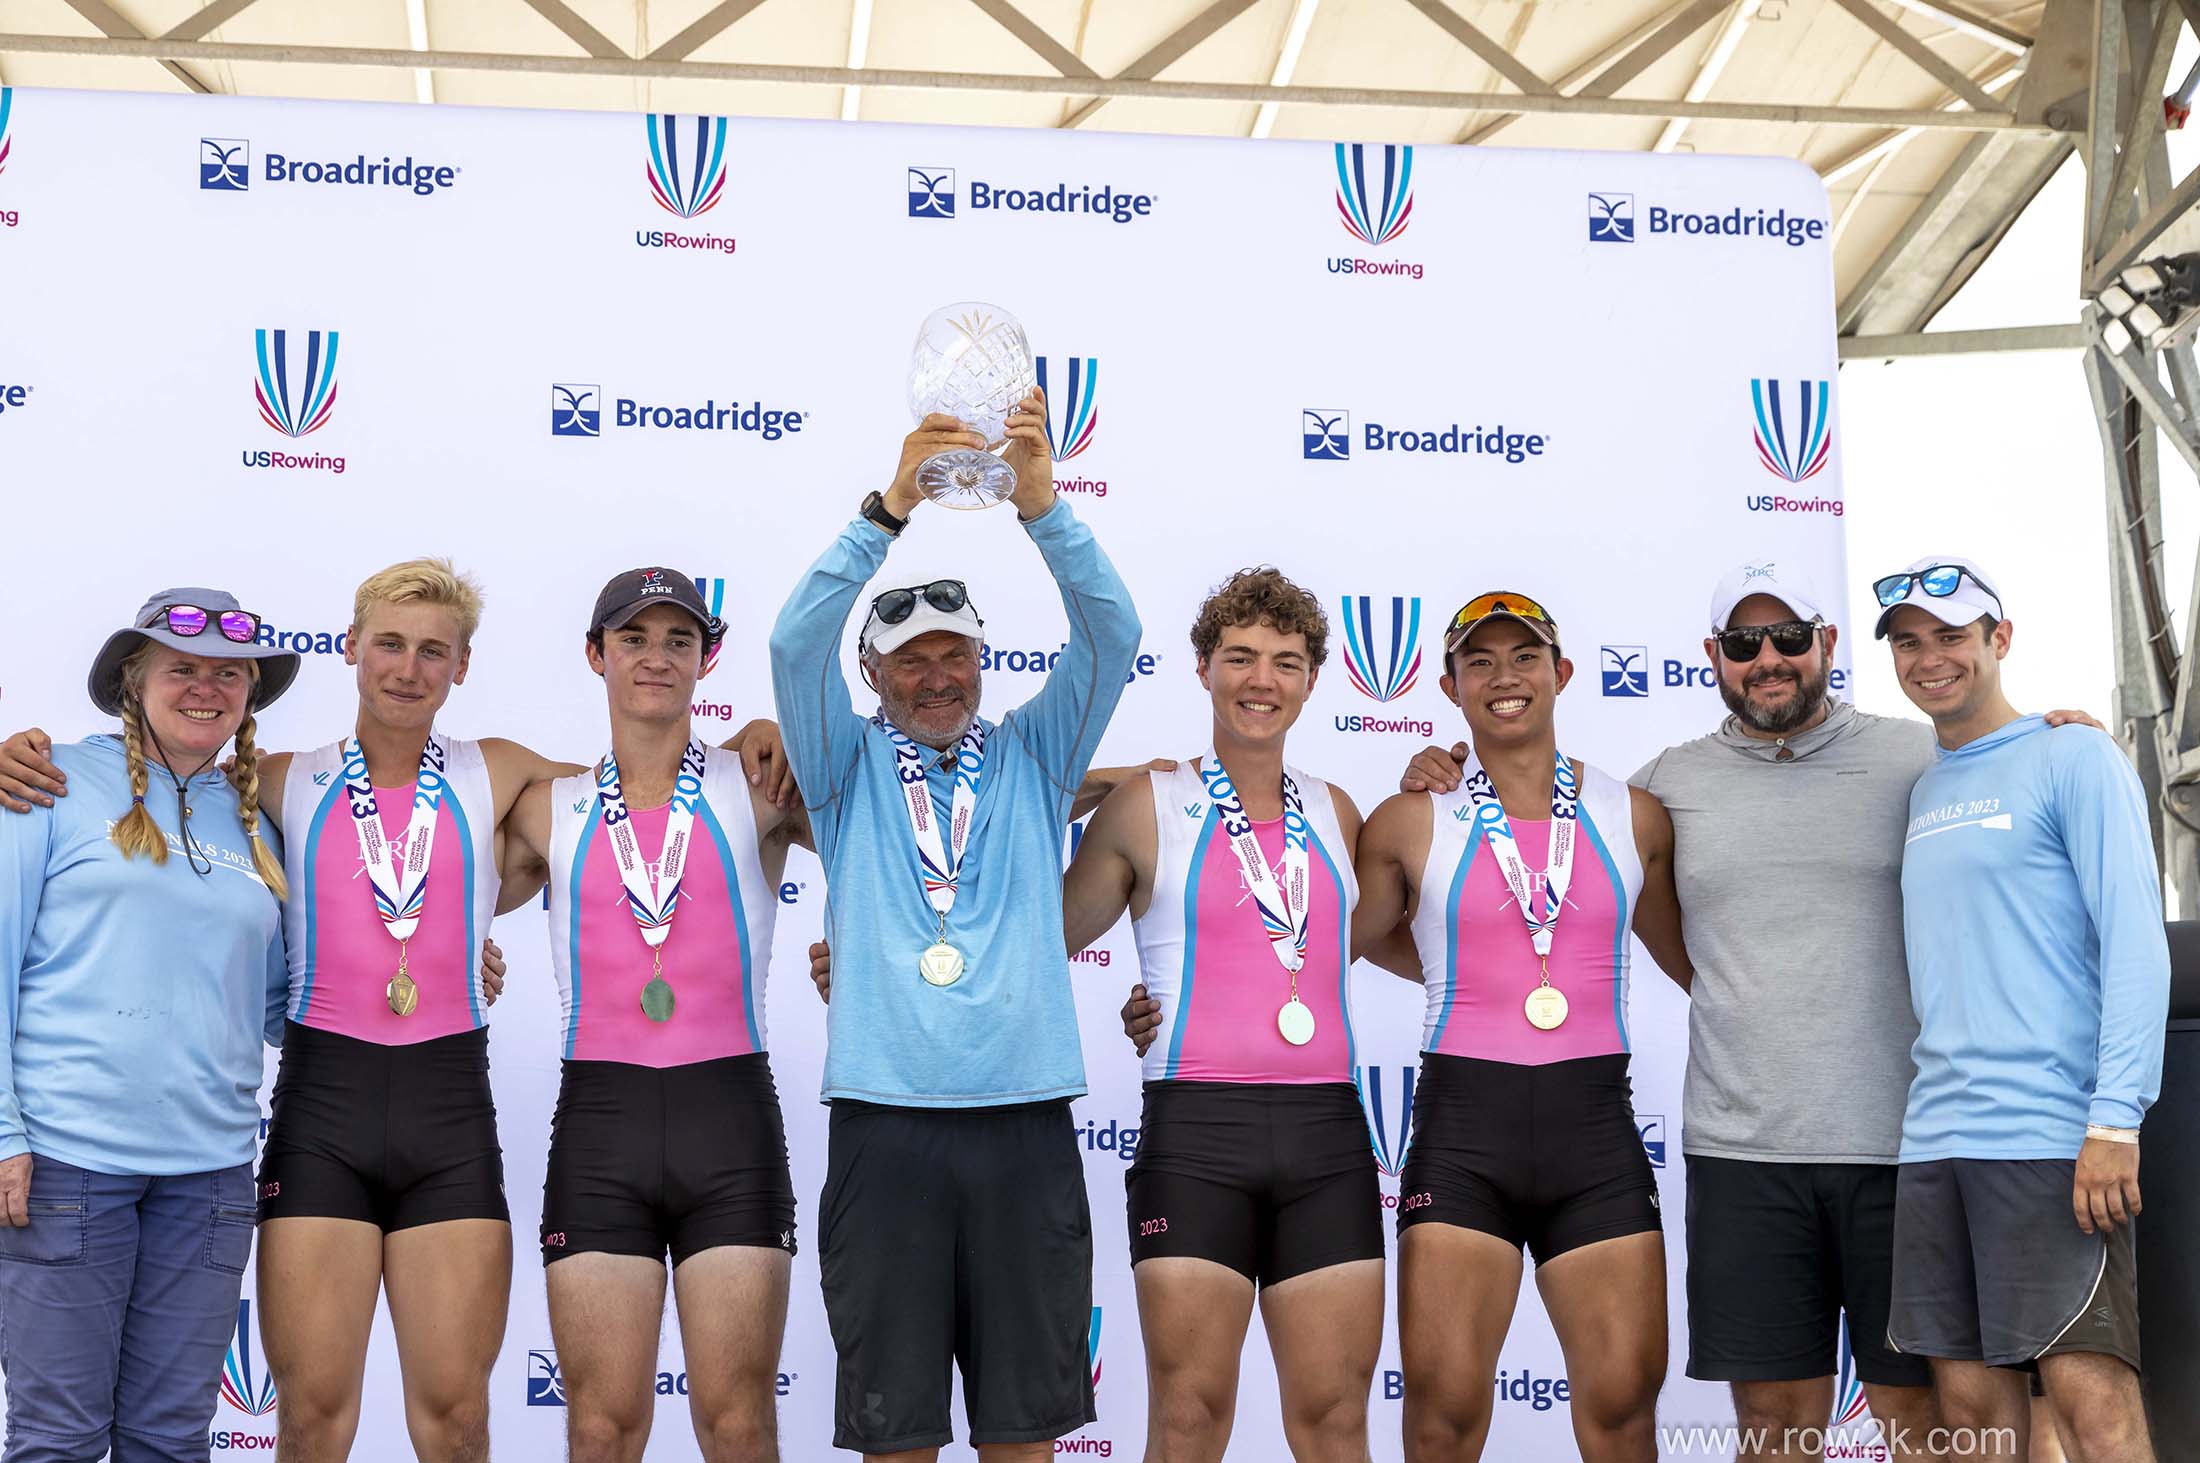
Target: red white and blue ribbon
x: 652, y: 901
x: 398, y: 872
x: 1489, y: 816
x: 1283, y: 908
x: 939, y: 860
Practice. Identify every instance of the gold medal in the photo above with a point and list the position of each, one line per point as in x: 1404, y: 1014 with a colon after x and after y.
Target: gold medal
x: 1546, y: 1008
x: 941, y: 964
x: 403, y: 993
x: 1296, y: 1021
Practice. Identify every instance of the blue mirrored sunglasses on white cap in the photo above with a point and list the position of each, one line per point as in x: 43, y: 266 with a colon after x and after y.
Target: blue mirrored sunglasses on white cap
x: 1939, y: 581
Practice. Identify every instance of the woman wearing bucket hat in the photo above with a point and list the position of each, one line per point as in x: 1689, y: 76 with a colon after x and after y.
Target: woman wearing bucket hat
x: 141, y: 963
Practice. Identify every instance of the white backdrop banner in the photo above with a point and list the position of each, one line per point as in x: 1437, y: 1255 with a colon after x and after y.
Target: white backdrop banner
x: 272, y: 346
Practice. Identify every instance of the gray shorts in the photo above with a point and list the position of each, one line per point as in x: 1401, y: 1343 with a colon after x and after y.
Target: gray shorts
x: 1990, y: 1265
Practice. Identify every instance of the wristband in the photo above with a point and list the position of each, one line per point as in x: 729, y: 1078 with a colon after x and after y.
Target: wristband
x: 2112, y: 1135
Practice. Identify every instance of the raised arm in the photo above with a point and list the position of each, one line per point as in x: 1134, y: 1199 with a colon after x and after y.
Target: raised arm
x: 1064, y: 721
x: 1113, y: 870
x: 1658, y: 911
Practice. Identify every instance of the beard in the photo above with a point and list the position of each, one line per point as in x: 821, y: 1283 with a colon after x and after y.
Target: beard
x: 1808, y: 700
x: 929, y: 731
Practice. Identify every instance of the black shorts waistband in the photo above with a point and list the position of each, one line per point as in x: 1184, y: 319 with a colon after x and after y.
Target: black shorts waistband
x: 1472, y: 1073
x: 1277, y: 1099
x: 747, y: 1076
x: 460, y: 1051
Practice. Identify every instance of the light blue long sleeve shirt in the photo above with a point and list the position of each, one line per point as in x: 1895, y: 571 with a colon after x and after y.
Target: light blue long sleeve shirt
x: 134, y: 996
x: 1006, y: 1032
x: 2032, y: 916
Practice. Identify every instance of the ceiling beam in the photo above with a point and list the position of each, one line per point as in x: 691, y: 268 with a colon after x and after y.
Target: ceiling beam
x: 203, y: 23
x: 577, y: 30
x: 1927, y: 59
x: 1115, y: 86
x: 1034, y: 35
x: 707, y: 27
x: 1964, y: 342
x: 1981, y: 28
x: 1171, y: 50
x: 1622, y: 61
x: 1496, y: 57
x: 112, y: 25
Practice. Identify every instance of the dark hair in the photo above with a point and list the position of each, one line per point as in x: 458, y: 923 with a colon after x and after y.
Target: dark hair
x: 711, y: 633
x: 1261, y: 596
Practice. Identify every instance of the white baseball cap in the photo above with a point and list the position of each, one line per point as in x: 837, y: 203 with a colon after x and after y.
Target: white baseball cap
x: 1954, y: 591
x: 927, y: 611
x: 1763, y: 576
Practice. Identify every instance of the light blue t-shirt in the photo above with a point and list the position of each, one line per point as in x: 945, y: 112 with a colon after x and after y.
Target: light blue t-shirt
x: 2039, y: 970
x: 134, y: 996
x: 1006, y: 1032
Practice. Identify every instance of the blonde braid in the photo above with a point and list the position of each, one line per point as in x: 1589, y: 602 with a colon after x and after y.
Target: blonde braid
x: 136, y: 832
x: 247, y: 780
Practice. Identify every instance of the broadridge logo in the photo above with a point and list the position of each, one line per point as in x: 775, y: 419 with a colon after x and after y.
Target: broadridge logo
x: 225, y: 166
x: 932, y: 194
x: 1326, y: 435
x: 1613, y: 218
x: 994, y: 658
x: 577, y: 410
x: 13, y: 397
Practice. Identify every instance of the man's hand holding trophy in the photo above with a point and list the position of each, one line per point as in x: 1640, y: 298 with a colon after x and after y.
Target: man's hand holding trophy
x: 981, y: 419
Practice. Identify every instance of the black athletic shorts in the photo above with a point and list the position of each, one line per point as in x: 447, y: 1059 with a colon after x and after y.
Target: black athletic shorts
x: 395, y: 1136
x: 1990, y: 1265
x: 1544, y: 1156
x: 956, y: 1237
x: 1270, y: 1179
x: 1776, y: 1253
x: 649, y: 1159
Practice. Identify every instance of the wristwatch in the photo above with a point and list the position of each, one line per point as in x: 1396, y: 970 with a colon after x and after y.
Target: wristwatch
x: 874, y: 508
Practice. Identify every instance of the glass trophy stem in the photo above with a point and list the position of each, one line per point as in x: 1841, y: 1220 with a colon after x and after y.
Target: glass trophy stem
x: 966, y: 478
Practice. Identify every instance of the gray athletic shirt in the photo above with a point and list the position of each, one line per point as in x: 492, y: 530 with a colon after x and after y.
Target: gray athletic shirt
x: 1790, y: 882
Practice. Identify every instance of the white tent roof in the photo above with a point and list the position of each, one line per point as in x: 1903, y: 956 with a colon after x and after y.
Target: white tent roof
x: 981, y: 56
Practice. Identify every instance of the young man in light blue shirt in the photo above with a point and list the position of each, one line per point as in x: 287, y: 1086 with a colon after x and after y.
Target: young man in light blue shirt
x: 2032, y: 921
x: 953, y: 1227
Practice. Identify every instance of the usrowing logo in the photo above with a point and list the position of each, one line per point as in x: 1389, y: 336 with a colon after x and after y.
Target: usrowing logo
x: 1849, y: 1403
x: 1092, y: 1347
x: 1792, y: 446
x: 252, y: 1395
x: 1374, y: 190
x: 1389, y: 1106
x: 7, y: 105
x: 687, y: 162
x: 1382, y: 653
x: 311, y: 369
x: 714, y: 600
x: 1072, y: 414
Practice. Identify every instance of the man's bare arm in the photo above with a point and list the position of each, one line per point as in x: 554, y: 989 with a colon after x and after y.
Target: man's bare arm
x: 1658, y: 911
x: 1104, y: 879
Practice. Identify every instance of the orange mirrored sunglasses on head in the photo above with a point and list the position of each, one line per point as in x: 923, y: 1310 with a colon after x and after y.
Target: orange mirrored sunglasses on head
x: 1500, y: 602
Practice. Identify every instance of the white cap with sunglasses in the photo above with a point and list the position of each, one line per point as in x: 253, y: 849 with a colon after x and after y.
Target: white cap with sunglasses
x: 1953, y: 591
x: 1783, y: 582
x: 899, y: 616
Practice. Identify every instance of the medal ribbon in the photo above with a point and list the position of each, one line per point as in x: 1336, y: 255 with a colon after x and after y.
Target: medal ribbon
x: 1489, y: 816
x: 1283, y: 911
x: 652, y: 904
x: 941, y: 862
x: 397, y: 872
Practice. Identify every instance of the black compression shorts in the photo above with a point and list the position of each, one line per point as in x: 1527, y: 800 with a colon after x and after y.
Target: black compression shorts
x: 649, y: 1159
x: 1270, y: 1179
x: 1547, y: 1156
x: 394, y: 1136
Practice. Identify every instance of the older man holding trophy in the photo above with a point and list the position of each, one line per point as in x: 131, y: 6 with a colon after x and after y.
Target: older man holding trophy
x: 953, y: 1228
